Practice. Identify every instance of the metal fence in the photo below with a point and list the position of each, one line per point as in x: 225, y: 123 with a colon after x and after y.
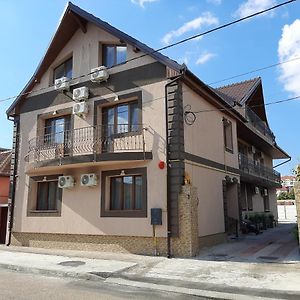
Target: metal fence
x: 258, y: 124
x: 252, y: 167
x: 87, y: 140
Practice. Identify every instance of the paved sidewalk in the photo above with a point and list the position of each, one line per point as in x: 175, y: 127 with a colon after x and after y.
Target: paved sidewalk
x: 230, y: 271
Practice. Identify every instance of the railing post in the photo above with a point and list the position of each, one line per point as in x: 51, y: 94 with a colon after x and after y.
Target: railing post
x: 144, y: 145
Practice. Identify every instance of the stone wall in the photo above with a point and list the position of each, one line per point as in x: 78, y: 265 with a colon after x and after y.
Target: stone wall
x: 187, y: 243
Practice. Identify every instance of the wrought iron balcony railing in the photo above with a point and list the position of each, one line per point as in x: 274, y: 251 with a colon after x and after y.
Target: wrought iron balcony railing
x: 259, y: 125
x: 87, y: 140
x: 255, y: 168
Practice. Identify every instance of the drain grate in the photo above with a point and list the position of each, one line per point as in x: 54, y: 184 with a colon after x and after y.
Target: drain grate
x: 268, y: 257
x: 72, y: 263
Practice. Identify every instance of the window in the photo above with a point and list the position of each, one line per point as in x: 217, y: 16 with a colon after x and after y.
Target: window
x: 113, y: 55
x: 122, y: 118
x: 249, y: 190
x: 48, y: 194
x: 227, y: 125
x: 64, y: 70
x: 124, y: 193
x: 56, y: 130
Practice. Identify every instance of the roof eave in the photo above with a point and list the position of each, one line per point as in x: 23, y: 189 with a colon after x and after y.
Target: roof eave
x: 221, y: 101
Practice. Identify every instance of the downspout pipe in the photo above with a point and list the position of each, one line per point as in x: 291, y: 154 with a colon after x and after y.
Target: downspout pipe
x: 282, y: 163
x: 168, y: 163
x: 12, y: 185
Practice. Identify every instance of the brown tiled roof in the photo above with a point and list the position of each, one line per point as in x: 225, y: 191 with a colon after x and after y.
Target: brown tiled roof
x: 237, y: 92
x: 5, y: 157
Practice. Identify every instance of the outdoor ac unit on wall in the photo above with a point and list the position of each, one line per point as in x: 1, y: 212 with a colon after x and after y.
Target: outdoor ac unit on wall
x: 81, y: 94
x: 88, y: 180
x: 62, y: 84
x: 99, y: 74
x: 80, y: 108
x: 66, y: 182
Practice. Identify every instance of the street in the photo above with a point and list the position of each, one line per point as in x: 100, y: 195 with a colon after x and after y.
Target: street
x: 14, y: 285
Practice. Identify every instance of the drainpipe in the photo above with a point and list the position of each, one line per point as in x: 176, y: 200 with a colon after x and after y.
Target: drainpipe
x: 289, y: 159
x: 168, y: 163
x: 12, y: 182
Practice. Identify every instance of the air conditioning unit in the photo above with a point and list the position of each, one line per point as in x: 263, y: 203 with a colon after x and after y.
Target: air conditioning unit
x: 257, y: 190
x: 265, y: 192
x: 80, y: 108
x: 88, y: 180
x: 62, y: 84
x: 81, y: 94
x: 99, y: 74
x: 66, y: 182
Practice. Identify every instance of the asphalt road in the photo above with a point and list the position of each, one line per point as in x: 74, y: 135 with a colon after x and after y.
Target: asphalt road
x: 14, y: 285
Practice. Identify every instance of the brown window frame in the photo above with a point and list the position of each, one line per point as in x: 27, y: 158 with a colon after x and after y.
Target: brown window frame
x: 36, y: 180
x: 133, y: 190
x: 115, y: 54
x: 227, y: 126
x: 106, y: 210
x: 64, y: 64
x: 130, y: 125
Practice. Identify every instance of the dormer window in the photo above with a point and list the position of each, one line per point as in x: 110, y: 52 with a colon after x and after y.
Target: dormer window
x: 113, y: 55
x: 64, y: 70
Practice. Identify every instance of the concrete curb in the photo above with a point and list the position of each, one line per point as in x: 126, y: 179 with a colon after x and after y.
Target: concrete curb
x: 56, y: 273
x: 183, y: 287
x: 186, y: 291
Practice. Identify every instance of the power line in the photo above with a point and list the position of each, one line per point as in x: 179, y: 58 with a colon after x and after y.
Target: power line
x: 255, y: 70
x: 171, y: 45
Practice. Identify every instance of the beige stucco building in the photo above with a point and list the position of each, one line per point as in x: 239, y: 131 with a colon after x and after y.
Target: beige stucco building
x: 144, y: 133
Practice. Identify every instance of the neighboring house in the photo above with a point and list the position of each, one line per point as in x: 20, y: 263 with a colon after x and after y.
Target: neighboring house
x: 133, y: 143
x: 5, y: 158
x: 287, y: 184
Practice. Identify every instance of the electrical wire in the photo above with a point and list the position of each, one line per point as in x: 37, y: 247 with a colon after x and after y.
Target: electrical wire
x: 169, y: 46
x: 255, y: 70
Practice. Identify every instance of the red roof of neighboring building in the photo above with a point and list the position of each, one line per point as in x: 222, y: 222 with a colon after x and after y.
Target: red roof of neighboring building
x: 5, y: 157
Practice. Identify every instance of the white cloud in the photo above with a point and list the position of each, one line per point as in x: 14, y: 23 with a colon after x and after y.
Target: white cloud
x: 141, y: 3
x: 215, y: 2
x: 289, y: 48
x: 205, y: 57
x: 206, y: 19
x: 252, y: 6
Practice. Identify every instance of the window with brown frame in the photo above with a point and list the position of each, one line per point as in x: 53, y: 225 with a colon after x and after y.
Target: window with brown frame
x: 56, y: 129
x: 113, y: 55
x: 121, y: 118
x: 266, y: 203
x: 227, y: 126
x: 48, y: 194
x: 124, y: 193
x: 64, y: 70
x: 249, y: 191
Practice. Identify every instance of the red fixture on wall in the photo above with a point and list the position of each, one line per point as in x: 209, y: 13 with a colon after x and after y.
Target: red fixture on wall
x: 161, y: 165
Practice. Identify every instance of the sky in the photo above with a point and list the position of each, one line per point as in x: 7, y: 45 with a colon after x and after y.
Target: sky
x: 26, y: 28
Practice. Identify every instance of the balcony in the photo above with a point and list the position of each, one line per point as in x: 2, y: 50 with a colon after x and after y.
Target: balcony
x: 89, y: 144
x: 259, y: 125
x: 255, y: 168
